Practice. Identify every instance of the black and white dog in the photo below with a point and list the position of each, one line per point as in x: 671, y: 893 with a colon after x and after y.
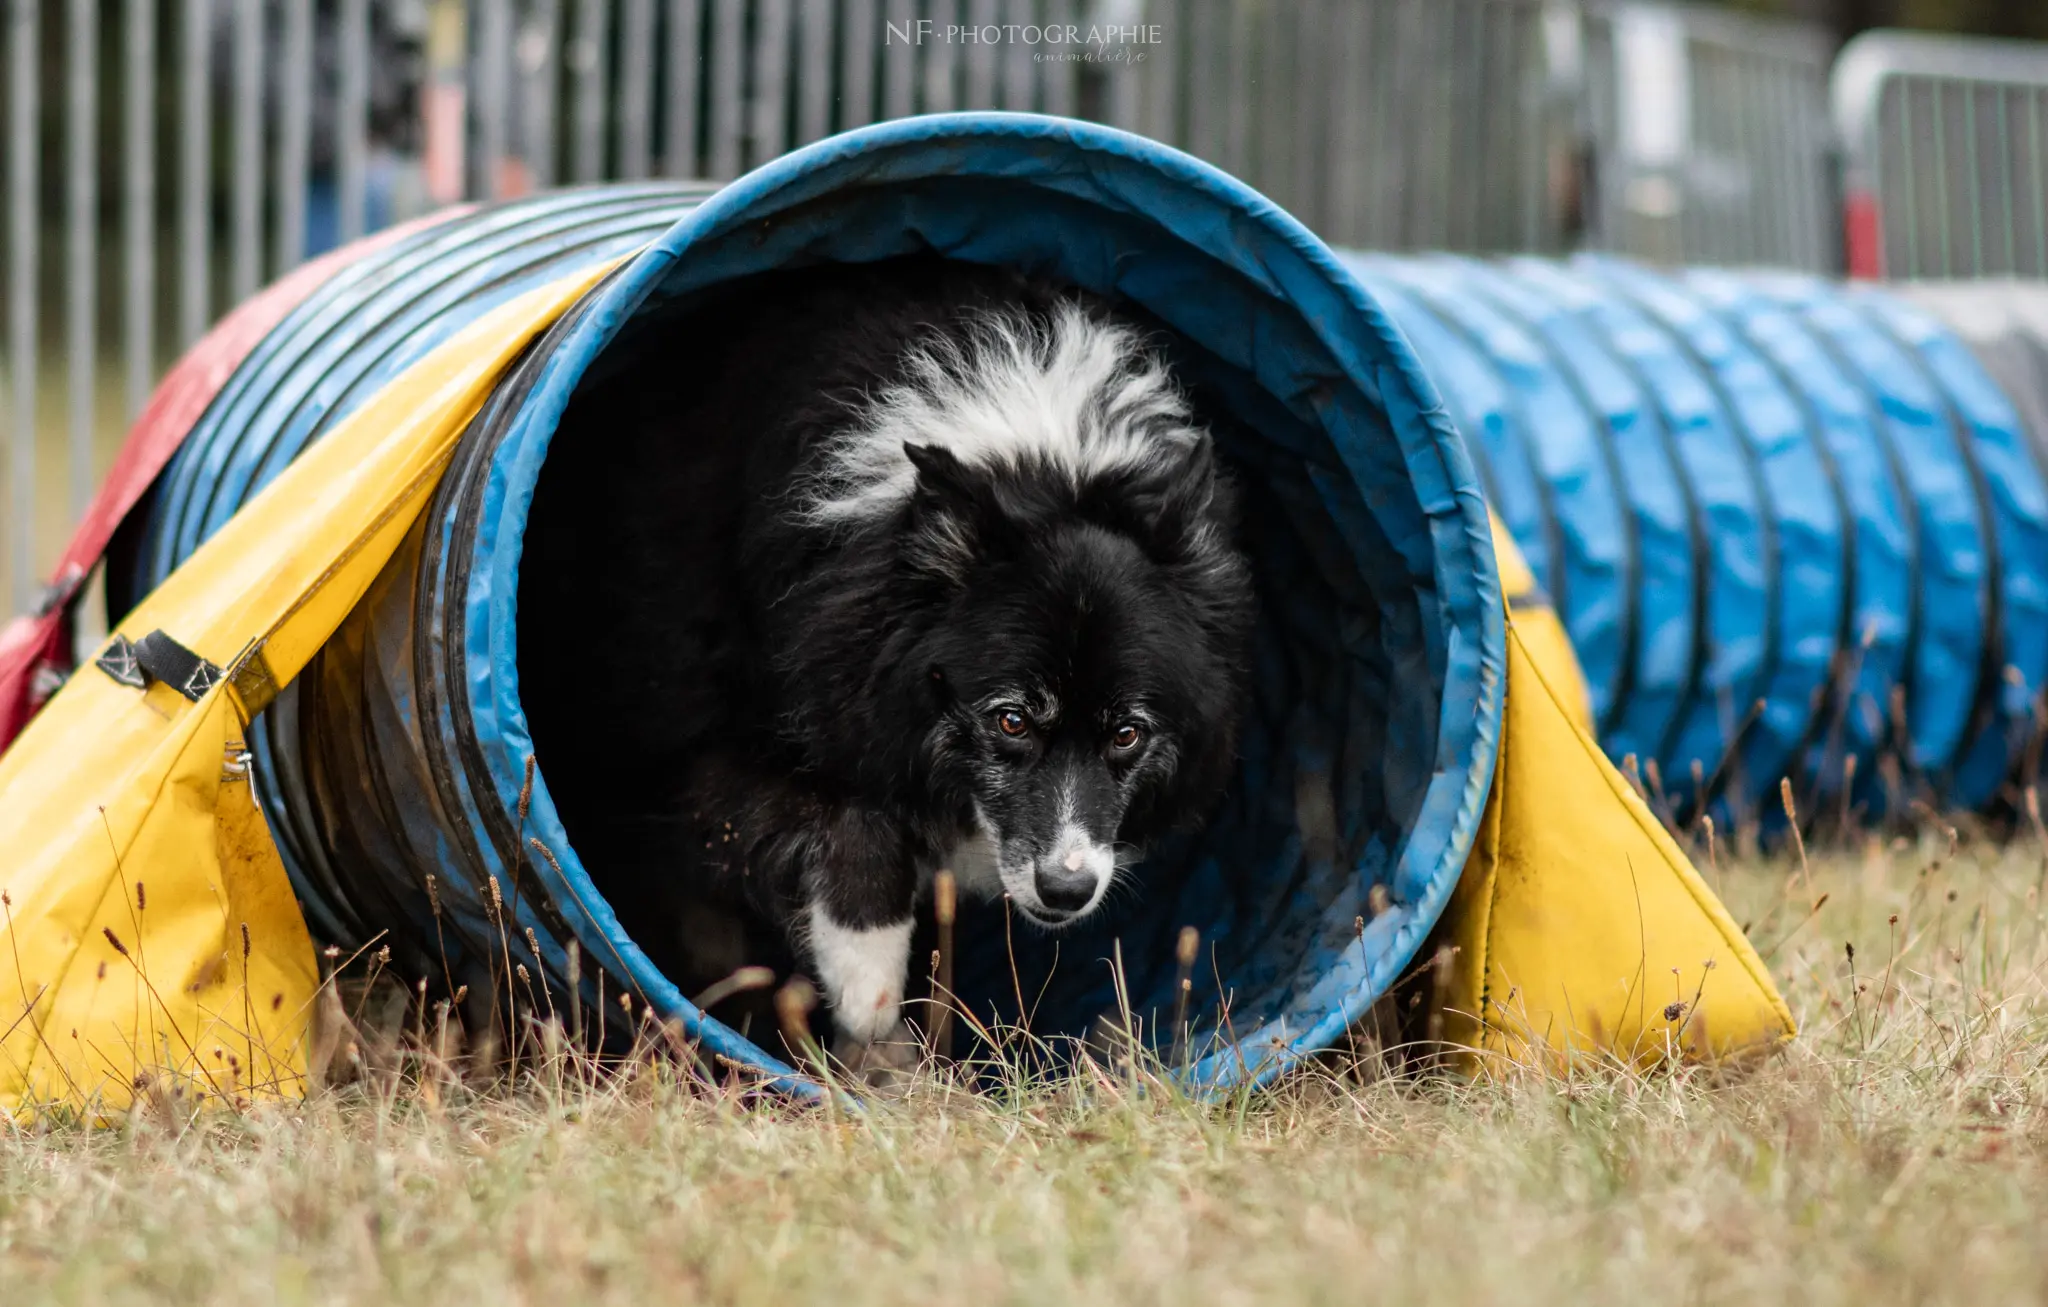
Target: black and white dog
x: 949, y: 581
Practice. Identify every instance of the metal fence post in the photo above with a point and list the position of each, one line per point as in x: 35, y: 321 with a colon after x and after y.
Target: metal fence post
x: 247, y: 190
x: 491, y: 70
x: 351, y: 120
x: 23, y: 43
x: 540, y: 70
x: 636, y: 90
x: 81, y: 216
x: 139, y: 201
x: 588, y: 56
x: 194, y: 159
x: 294, y: 133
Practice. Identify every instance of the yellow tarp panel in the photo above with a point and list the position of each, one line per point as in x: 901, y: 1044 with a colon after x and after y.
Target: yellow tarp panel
x: 135, y: 856
x: 1542, y: 630
x: 1580, y: 927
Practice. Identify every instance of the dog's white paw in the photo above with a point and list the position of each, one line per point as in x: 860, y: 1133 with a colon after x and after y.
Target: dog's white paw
x: 861, y: 969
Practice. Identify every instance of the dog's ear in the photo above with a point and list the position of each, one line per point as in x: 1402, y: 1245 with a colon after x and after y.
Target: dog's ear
x: 1190, y: 491
x: 955, y: 517
x: 942, y: 478
x: 1166, y: 504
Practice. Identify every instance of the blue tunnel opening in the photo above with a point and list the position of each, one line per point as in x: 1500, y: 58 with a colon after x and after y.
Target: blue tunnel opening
x: 402, y: 773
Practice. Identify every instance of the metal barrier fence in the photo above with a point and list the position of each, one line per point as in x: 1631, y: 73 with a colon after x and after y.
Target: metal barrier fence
x: 1390, y: 124
x: 1945, y: 145
x: 1714, y: 144
x: 1670, y: 132
x: 162, y: 158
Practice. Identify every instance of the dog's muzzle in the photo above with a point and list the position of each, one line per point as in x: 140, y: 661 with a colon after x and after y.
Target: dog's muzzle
x: 1071, y: 878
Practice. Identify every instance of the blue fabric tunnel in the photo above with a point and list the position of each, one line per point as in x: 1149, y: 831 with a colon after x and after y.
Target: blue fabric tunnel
x: 400, y: 773
x: 1795, y: 530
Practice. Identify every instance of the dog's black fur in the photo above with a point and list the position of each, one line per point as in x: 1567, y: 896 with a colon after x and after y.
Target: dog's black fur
x: 774, y: 714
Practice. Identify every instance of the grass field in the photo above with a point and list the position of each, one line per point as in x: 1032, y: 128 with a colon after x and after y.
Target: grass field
x: 1897, y: 1153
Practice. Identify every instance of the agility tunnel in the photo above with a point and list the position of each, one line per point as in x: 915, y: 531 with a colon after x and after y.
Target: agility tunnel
x: 1796, y: 530
x: 322, y: 710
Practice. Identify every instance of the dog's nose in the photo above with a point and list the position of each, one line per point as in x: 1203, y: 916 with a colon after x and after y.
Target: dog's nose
x: 1065, y: 888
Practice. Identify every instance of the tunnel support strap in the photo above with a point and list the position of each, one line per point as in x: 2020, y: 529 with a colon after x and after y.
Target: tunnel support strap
x: 157, y: 657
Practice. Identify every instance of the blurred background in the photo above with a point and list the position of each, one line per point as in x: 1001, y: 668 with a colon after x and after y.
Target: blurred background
x: 161, y: 159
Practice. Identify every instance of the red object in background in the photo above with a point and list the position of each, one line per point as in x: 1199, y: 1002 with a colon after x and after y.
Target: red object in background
x: 444, y: 108
x: 1862, y: 236
x: 35, y: 650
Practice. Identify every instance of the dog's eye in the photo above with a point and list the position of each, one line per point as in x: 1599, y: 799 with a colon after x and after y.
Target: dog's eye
x: 1126, y: 737
x: 1011, y: 722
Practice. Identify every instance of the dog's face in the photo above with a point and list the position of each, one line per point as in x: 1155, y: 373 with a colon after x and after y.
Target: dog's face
x: 1085, y: 678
